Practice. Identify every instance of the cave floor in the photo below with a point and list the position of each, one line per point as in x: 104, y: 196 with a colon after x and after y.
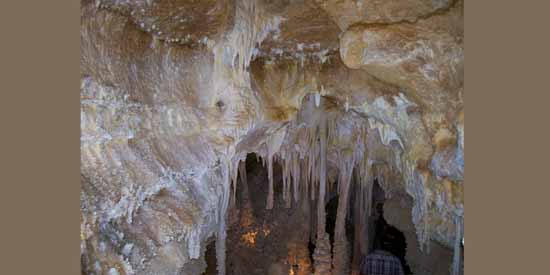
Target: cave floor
x: 264, y: 241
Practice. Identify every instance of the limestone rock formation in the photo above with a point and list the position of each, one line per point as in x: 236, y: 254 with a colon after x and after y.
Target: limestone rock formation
x: 349, y: 12
x: 176, y: 93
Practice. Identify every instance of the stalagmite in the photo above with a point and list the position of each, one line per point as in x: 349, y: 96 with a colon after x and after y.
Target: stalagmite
x: 341, y: 253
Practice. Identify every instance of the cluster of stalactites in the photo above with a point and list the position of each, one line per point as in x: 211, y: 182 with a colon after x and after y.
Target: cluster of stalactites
x: 341, y: 256
x: 297, y: 147
x: 362, y: 205
x: 231, y: 170
x: 303, y: 159
x: 301, y: 148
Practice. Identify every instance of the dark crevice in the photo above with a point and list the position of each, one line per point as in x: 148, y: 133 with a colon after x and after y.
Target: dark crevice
x: 210, y: 258
x: 386, y: 236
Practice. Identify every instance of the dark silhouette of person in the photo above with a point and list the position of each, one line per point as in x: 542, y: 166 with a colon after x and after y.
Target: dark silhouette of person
x: 381, y: 261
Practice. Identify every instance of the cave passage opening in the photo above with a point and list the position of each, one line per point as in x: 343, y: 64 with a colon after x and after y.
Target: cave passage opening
x: 210, y: 258
x: 385, y: 231
x: 282, y: 240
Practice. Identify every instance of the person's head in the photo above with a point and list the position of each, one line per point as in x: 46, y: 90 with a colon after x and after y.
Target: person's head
x: 388, y: 239
x: 380, y: 210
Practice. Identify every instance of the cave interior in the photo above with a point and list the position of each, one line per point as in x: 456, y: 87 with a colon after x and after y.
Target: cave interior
x: 270, y: 137
x: 281, y: 240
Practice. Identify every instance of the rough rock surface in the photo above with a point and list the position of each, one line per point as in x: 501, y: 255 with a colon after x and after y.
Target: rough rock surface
x: 426, y: 59
x: 348, y: 12
x: 175, y: 93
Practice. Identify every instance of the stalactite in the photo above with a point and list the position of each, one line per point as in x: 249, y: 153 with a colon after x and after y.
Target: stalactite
x: 313, y: 221
x: 317, y: 99
x: 415, y: 184
x: 349, y: 211
x: 363, y: 203
x: 273, y: 145
x: 341, y: 254
x: 368, y: 206
x: 304, y: 180
x: 284, y: 180
x: 288, y: 172
x: 363, y: 206
x: 246, y: 215
x: 242, y: 173
x: 363, y: 220
x: 357, y: 211
x: 322, y: 255
x: 296, y: 176
x: 222, y: 234
x: 270, y: 179
x: 288, y: 201
x: 234, y: 173
x: 311, y: 161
